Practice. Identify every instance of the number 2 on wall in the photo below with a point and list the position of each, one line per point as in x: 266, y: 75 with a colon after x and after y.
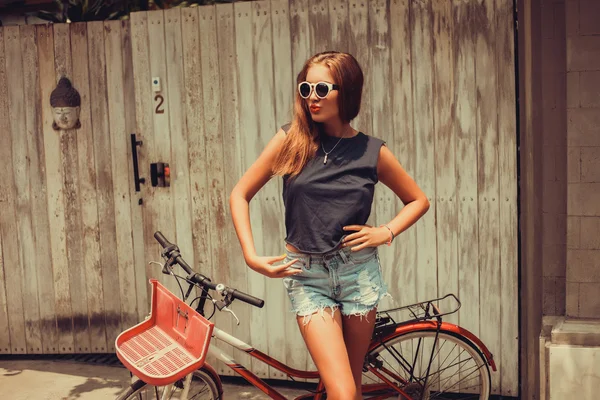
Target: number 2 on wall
x: 160, y: 99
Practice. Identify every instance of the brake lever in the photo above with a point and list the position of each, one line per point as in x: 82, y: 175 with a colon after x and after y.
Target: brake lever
x: 232, y: 313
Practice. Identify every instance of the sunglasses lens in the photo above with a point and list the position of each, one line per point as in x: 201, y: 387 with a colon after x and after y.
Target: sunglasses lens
x: 322, y: 89
x: 304, y: 90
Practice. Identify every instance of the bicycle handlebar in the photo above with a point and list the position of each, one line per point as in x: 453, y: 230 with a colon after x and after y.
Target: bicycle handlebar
x: 173, y: 252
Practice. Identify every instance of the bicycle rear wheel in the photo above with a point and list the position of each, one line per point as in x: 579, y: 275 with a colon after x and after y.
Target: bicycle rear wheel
x: 203, y: 387
x: 426, y: 366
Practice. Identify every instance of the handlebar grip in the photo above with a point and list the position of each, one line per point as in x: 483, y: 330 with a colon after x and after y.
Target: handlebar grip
x: 246, y: 298
x: 161, y: 239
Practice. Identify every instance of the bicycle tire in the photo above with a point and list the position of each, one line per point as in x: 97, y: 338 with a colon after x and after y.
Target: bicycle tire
x: 382, y: 356
x: 140, y: 390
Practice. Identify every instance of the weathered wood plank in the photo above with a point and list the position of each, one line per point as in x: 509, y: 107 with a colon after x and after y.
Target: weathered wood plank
x: 4, y: 326
x: 160, y: 151
x: 228, y: 83
x: 285, y: 91
x: 51, y: 306
x: 422, y: 47
x: 507, y: 167
x: 214, y: 152
x: 466, y: 157
x: 180, y: 181
x: 320, y: 30
x: 402, y: 283
x: 445, y: 172
x: 21, y: 71
x: 13, y: 275
x: 144, y: 110
x: 54, y: 179
x: 487, y: 182
x: 198, y: 163
x: 137, y: 226
x: 271, y: 207
x: 384, y: 205
x: 104, y: 182
x: 39, y: 212
x: 359, y: 48
x: 119, y: 141
x: 300, y: 34
x: 249, y: 143
x: 87, y: 192
x: 340, y: 26
x: 72, y: 208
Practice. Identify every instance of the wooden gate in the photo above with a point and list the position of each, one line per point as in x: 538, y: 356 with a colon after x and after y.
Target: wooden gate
x: 76, y: 238
x: 439, y: 89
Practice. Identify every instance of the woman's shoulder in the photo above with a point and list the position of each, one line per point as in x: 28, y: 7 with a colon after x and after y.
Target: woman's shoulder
x: 371, y: 140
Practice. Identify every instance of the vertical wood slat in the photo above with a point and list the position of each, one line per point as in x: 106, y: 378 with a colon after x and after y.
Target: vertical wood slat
x: 13, y: 275
x: 319, y: 27
x: 161, y: 201
x: 22, y: 77
x: 487, y: 162
x: 50, y: 308
x: 340, y: 27
x: 249, y: 120
x: 91, y: 268
x: 136, y: 200
x: 119, y: 140
x: 144, y: 110
x: 285, y: 91
x: 198, y: 163
x: 508, y: 216
x: 271, y: 207
x: 422, y: 42
x: 104, y: 182
x: 214, y: 152
x: 300, y: 37
x: 54, y: 179
x: 73, y: 228
x: 445, y: 172
x: 180, y: 183
x: 466, y: 157
x: 358, y: 42
x: 228, y: 83
x: 4, y: 322
x: 384, y: 206
x: 402, y: 282
x: 39, y: 208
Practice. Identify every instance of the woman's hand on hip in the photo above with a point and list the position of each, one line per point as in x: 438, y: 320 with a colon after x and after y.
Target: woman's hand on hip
x: 264, y: 265
x: 365, y: 236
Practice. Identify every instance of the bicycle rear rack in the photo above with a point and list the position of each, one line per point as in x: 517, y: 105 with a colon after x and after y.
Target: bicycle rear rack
x: 422, y: 311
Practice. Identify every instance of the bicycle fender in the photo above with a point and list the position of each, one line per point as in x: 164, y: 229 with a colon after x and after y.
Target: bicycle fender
x: 445, y: 326
x: 212, y: 372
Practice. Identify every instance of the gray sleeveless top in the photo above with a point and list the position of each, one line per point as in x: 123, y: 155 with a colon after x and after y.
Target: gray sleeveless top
x: 324, y: 198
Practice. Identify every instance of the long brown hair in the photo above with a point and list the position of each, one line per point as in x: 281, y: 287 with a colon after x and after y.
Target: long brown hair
x: 302, y: 139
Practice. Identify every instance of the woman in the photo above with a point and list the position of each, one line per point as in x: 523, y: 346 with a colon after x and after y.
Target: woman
x: 331, y: 271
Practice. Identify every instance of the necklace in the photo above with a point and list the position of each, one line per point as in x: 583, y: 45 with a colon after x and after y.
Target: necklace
x: 328, y: 152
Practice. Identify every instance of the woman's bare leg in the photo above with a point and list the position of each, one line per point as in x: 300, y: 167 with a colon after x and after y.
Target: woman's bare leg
x: 357, y: 336
x: 324, y: 338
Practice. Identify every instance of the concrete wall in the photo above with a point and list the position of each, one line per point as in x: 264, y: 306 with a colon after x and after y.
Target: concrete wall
x: 583, y: 158
x: 571, y: 157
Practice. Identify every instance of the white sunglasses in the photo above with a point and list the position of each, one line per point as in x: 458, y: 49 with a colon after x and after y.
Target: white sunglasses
x: 321, y: 89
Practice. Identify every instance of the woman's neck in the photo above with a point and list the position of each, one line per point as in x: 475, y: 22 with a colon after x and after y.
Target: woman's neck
x: 337, y: 128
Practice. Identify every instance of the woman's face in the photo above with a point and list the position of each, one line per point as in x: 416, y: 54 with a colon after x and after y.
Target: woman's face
x: 322, y: 110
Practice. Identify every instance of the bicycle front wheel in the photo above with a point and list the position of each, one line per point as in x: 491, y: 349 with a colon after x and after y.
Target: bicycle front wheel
x: 427, y: 365
x: 202, y: 387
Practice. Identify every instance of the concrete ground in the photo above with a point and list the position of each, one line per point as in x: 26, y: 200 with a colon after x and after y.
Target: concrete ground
x: 26, y: 379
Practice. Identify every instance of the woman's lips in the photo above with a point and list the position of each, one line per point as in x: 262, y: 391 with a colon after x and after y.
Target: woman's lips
x: 314, y: 108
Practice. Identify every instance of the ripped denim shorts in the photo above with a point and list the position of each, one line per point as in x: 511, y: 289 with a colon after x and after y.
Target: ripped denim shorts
x: 349, y: 280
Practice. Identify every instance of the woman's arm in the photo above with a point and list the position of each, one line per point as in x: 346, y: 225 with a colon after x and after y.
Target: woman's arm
x: 391, y: 174
x: 253, y: 180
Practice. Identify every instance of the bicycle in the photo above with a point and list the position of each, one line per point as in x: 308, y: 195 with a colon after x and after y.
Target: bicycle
x: 406, y: 360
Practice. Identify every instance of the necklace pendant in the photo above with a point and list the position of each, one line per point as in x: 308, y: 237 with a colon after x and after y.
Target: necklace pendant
x: 325, y: 160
